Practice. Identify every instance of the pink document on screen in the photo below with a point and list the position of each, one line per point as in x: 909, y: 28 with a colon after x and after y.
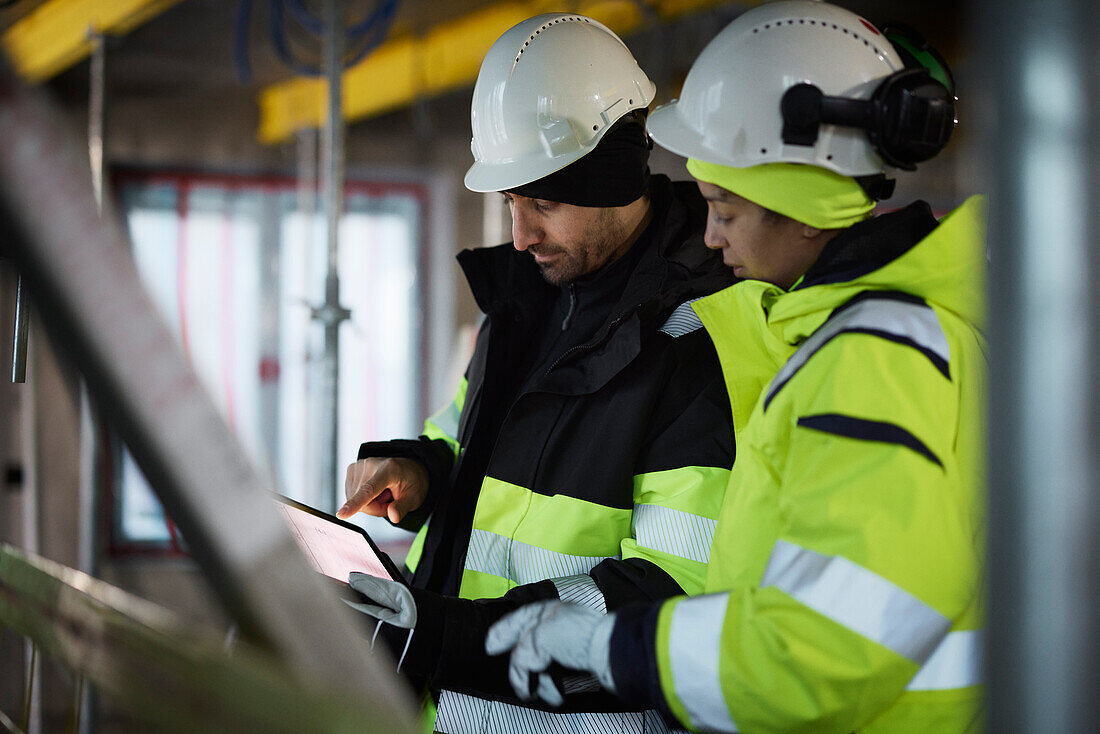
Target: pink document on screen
x: 331, y: 549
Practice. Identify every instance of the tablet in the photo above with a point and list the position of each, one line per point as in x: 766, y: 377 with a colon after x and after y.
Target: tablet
x: 332, y: 546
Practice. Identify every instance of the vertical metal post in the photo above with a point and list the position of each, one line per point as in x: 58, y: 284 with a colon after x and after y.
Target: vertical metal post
x: 90, y: 445
x: 1042, y: 123
x: 31, y: 689
x: 96, y: 114
x: 331, y: 314
x: 31, y: 535
x: 20, y: 339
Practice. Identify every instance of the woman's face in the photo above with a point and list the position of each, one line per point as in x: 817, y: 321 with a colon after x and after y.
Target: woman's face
x: 756, y: 243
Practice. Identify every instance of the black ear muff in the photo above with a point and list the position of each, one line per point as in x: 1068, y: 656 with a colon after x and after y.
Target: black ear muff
x: 914, y: 118
x: 917, y: 104
x: 908, y: 119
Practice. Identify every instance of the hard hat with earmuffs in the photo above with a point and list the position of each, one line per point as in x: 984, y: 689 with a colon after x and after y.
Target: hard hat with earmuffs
x: 908, y: 119
x: 803, y: 81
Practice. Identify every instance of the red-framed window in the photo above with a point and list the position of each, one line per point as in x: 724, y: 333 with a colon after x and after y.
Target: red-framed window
x: 236, y: 264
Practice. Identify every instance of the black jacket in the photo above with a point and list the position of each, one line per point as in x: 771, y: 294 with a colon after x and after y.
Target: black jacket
x: 546, y: 470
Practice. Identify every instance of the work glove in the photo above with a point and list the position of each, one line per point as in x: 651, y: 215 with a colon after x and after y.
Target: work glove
x: 552, y: 632
x: 391, y: 601
x: 387, y: 601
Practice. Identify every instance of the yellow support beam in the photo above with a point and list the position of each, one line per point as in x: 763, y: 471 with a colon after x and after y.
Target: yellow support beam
x: 57, y: 34
x: 447, y: 57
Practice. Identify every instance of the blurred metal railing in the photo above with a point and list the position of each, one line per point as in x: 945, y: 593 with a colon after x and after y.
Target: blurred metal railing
x: 85, y: 285
x: 166, y: 673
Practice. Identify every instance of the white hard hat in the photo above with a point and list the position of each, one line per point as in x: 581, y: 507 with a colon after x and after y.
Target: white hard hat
x: 729, y: 110
x: 548, y: 90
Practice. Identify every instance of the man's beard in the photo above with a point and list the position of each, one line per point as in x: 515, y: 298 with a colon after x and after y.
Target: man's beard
x: 589, y: 255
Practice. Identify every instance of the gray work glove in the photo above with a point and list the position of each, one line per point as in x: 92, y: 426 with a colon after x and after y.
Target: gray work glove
x: 552, y: 632
x: 391, y: 602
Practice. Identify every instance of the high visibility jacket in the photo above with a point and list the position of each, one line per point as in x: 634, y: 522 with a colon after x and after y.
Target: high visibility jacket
x: 597, y: 481
x: 844, y: 586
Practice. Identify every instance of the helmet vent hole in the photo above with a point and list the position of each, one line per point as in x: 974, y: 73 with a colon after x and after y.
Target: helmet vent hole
x: 595, y: 127
x: 763, y: 151
x: 829, y: 157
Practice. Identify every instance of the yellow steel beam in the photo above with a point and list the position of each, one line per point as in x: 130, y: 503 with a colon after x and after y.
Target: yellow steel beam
x: 447, y: 57
x: 57, y: 33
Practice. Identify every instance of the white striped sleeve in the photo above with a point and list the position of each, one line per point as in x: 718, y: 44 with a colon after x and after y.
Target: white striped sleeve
x: 858, y: 599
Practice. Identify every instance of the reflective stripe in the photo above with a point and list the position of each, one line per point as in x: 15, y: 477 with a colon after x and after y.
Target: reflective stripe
x: 522, y: 563
x: 913, y: 323
x: 683, y: 320
x: 581, y: 590
x: 458, y: 713
x: 694, y: 644
x: 446, y: 420
x: 674, y: 532
x: 956, y: 663
x: 858, y: 599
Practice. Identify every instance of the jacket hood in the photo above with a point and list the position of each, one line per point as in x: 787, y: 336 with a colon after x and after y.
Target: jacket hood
x: 945, y: 265
x: 946, y: 268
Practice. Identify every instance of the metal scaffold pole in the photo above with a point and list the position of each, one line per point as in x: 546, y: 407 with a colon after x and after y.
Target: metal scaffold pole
x: 331, y: 314
x: 90, y: 448
x: 1042, y: 128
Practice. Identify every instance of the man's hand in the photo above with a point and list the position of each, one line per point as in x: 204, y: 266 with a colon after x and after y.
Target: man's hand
x: 552, y: 632
x: 390, y: 487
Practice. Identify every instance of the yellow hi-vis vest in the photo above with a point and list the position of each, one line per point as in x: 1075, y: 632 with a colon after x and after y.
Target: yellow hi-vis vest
x: 844, y: 589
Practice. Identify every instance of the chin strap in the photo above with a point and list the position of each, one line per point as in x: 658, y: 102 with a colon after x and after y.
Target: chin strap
x: 408, y: 641
x: 877, y: 186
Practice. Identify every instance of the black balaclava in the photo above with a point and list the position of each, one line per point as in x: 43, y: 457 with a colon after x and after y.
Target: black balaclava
x: 614, y: 173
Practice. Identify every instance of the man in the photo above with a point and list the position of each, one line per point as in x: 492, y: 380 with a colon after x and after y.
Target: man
x: 844, y: 582
x: 588, y: 448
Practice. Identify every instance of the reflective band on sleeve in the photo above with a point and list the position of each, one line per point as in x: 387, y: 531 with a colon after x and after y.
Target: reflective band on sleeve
x: 956, y: 663
x: 522, y: 563
x: 458, y: 713
x: 683, y: 320
x: 446, y: 420
x: 581, y: 590
x: 858, y: 599
x: 677, y: 533
x: 905, y: 322
x: 695, y: 642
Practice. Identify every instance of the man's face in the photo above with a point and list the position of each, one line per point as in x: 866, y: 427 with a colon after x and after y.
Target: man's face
x: 567, y: 241
x: 754, y: 242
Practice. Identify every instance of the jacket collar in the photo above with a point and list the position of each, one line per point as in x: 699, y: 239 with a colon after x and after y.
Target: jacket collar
x: 869, y: 245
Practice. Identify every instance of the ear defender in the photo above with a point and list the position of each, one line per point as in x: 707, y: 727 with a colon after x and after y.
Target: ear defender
x: 908, y: 119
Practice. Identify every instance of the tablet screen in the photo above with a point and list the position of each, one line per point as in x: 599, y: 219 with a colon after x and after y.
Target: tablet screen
x: 332, y: 547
